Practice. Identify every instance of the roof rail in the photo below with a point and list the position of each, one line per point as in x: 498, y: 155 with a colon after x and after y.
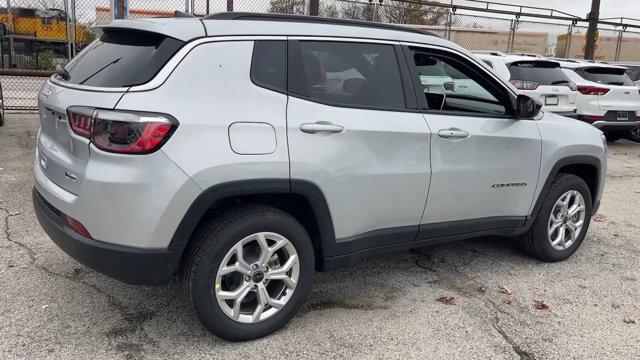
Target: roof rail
x: 312, y: 19
x: 488, y: 52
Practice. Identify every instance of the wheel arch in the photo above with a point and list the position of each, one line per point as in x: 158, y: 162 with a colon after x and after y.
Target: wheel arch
x: 584, y: 166
x: 301, y: 199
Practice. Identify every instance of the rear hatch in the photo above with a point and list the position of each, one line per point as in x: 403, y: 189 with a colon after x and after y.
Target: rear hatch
x: 96, y: 78
x: 623, y: 94
x: 546, y: 82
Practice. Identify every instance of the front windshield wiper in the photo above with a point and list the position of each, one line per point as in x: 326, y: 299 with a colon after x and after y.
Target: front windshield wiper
x: 99, y: 71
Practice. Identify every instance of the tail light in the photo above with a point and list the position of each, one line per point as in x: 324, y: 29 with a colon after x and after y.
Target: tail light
x: 121, y: 131
x: 524, y: 85
x: 592, y: 90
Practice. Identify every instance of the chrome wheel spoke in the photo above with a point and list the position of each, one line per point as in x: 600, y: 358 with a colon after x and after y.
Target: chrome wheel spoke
x: 246, y: 289
x: 566, y: 220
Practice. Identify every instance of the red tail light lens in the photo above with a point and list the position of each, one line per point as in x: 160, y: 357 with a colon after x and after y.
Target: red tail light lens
x: 80, y: 121
x: 124, y: 132
x: 592, y: 90
x: 524, y: 85
x: 78, y: 227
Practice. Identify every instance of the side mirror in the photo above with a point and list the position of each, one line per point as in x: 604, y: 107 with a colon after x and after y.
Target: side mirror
x: 449, y: 86
x: 637, y: 82
x: 3, y: 30
x: 527, y: 107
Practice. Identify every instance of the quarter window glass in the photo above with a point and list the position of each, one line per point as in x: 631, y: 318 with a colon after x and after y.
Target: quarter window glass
x: 449, y: 86
x: 351, y: 74
x: 269, y: 66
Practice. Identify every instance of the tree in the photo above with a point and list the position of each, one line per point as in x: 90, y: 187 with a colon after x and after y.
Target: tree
x: 399, y: 12
x: 359, y: 11
x: 298, y: 7
x: 329, y: 10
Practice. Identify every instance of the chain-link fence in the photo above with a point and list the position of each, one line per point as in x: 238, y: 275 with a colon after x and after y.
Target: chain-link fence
x: 41, y: 34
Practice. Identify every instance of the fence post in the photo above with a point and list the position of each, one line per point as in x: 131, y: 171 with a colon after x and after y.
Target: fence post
x: 567, y: 42
x: 68, y: 28
x: 314, y: 7
x: 229, y: 5
x: 11, y: 43
x: 619, y: 43
x: 512, y: 33
x: 119, y: 8
x: 449, y: 25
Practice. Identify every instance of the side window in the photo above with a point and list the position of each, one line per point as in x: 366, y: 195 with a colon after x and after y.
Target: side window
x: 457, y: 85
x: 348, y: 74
x: 269, y: 65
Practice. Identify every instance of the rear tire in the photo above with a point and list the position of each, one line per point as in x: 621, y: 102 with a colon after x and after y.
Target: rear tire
x: 634, y: 134
x: 556, y: 234
x: 248, y: 272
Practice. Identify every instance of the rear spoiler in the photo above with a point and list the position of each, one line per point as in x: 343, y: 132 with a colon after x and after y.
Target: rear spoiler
x: 178, y: 28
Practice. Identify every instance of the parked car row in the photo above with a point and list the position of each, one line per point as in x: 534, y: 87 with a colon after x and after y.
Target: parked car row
x: 601, y: 94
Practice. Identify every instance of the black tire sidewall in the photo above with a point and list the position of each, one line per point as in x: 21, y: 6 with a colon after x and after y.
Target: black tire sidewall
x: 202, y: 291
x: 560, y: 186
x: 633, y: 137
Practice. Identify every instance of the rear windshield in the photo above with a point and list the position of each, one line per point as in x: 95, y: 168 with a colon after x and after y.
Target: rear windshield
x: 122, y: 58
x: 541, y: 72
x: 607, y: 76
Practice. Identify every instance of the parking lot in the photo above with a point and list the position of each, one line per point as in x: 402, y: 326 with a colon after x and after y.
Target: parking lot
x: 476, y: 299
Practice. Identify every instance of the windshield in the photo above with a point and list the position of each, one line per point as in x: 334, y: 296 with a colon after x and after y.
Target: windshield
x: 541, y: 72
x: 606, y: 76
x: 122, y: 58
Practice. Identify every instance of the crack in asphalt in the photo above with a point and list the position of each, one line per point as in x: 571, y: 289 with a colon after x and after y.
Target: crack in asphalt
x: 422, y: 260
x: 133, y: 321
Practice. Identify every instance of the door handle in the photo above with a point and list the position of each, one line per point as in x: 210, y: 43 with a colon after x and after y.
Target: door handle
x: 321, y: 127
x: 453, y: 134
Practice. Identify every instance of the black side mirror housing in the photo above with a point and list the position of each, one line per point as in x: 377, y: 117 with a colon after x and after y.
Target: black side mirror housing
x: 3, y: 30
x: 527, y: 107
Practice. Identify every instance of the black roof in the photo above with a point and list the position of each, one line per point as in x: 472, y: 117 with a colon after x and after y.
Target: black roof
x: 312, y: 19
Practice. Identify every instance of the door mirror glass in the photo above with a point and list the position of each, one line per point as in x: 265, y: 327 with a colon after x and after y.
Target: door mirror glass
x: 528, y: 107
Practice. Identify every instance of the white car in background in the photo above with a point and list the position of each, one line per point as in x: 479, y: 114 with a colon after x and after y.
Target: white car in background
x: 536, y: 77
x: 607, y: 98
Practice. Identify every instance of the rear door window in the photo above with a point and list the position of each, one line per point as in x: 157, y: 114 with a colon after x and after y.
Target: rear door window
x: 269, y: 65
x: 606, y: 76
x: 122, y: 58
x: 541, y: 72
x: 347, y: 74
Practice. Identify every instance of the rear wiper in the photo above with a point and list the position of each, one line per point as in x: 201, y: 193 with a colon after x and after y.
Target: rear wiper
x: 99, y: 71
x: 558, y: 82
x: 618, y: 83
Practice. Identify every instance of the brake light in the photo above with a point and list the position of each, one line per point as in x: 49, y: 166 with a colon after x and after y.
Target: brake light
x: 524, y: 85
x: 121, y: 131
x: 592, y: 90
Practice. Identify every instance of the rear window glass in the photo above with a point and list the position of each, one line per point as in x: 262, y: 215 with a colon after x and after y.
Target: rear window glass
x: 122, y: 58
x: 607, y: 76
x: 541, y: 72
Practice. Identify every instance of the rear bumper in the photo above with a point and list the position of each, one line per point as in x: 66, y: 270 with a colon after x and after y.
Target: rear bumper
x: 124, y: 263
x: 615, y: 125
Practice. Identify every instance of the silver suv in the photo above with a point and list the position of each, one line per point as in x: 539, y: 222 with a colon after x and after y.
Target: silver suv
x: 243, y: 152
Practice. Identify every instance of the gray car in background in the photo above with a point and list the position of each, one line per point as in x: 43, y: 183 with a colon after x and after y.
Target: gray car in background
x: 243, y: 152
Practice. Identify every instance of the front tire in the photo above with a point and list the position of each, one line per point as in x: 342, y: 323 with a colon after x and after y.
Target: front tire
x: 249, y: 272
x: 562, y: 221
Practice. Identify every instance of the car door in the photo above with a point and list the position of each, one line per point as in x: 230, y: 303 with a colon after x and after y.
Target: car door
x: 364, y: 145
x: 484, y: 161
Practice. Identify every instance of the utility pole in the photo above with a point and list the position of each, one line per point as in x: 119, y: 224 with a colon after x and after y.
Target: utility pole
x: 119, y: 9
x: 314, y: 7
x: 592, y: 33
x: 229, y: 5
